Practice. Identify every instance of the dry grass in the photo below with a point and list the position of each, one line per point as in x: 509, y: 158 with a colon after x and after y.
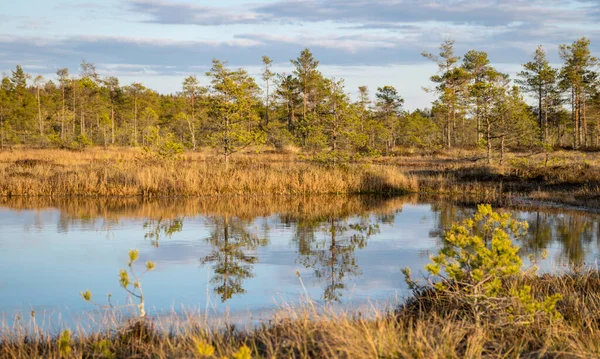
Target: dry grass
x: 428, y: 326
x: 130, y: 173
x: 563, y: 177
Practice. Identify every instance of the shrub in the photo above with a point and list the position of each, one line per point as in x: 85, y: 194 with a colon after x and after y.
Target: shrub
x: 164, y: 147
x: 479, y: 267
x: 82, y: 141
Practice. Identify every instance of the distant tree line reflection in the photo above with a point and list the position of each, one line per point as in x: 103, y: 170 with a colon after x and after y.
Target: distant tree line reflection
x: 326, y: 232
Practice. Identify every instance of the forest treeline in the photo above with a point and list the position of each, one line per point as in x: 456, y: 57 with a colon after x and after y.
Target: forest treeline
x: 476, y: 106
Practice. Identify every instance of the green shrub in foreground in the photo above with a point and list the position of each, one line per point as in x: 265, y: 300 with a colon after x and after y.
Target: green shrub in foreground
x: 476, y: 268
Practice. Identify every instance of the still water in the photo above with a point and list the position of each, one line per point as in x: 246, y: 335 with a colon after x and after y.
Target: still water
x: 243, y: 256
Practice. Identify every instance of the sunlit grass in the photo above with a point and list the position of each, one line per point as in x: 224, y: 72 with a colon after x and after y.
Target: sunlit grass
x: 130, y: 173
x: 563, y: 177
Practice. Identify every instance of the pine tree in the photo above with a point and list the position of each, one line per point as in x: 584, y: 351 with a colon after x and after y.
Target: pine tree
x: 577, y: 76
x: 539, y: 79
x: 37, y: 83
x: 450, y: 80
x: 233, y: 100
x: 267, y: 76
x: 477, y: 65
x: 135, y: 91
x: 63, y: 78
x: 389, y: 106
x: 307, y: 74
x: 288, y: 91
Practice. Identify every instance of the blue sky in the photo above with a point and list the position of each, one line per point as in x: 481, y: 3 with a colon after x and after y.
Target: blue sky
x: 373, y: 43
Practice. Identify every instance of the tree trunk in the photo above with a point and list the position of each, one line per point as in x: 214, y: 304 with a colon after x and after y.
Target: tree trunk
x: 192, y: 132
x: 1, y: 128
x: 112, y: 123
x: 82, y: 122
x: 290, y: 116
x: 502, y: 150
x: 334, y: 132
x: 478, y: 119
x: 39, y: 103
x: 448, y: 134
x: 454, y: 140
x: 372, y: 139
x: 489, y: 142
x: 584, y: 127
x: 62, y: 121
x: 574, y: 118
x: 135, y: 121
x: 597, y: 136
x: 227, y: 147
x: 74, y: 115
x: 304, y: 102
x: 267, y: 104
x: 546, y: 120
x: 540, y: 121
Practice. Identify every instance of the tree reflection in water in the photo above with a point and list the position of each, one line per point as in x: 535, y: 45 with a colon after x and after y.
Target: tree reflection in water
x: 155, y: 229
x: 332, y: 256
x: 573, y: 231
x: 233, y: 255
x: 326, y: 230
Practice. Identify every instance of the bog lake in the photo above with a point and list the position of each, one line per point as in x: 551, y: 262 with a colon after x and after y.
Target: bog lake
x: 243, y: 257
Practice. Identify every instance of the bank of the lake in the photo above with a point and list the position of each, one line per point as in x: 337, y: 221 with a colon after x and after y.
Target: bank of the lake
x: 135, y: 173
x: 556, y: 178
x: 427, y: 327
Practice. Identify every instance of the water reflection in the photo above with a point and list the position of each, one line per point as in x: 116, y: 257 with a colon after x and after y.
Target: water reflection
x: 233, y: 255
x: 574, y: 232
x: 332, y: 256
x: 161, y: 228
x: 249, y: 248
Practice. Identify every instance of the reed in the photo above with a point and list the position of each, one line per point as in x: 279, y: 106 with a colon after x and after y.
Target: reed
x: 563, y: 177
x: 571, y: 178
x: 131, y: 173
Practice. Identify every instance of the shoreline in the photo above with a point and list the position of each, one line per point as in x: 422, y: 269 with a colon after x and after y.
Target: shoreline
x: 424, y: 326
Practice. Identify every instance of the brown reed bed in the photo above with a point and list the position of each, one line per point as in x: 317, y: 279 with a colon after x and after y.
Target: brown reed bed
x: 560, y: 177
x: 429, y: 325
x: 131, y: 173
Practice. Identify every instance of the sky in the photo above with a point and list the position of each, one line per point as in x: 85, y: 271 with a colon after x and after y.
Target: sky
x: 372, y: 43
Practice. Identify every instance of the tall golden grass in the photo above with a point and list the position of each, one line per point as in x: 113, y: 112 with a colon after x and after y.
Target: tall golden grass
x: 565, y: 177
x: 427, y: 327
x: 130, y: 173
x: 561, y: 177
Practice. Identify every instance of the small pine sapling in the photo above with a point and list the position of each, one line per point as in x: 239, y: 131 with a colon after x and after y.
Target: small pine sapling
x: 479, y: 265
x: 131, y: 282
